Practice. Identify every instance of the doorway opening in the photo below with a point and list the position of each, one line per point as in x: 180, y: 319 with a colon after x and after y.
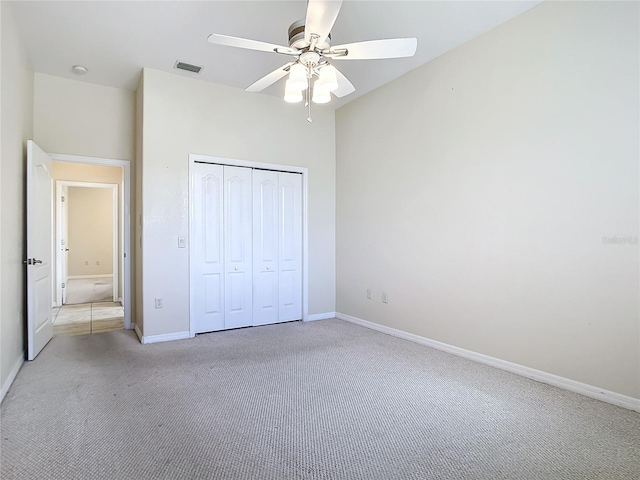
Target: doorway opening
x: 91, y: 238
x: 88, y: 241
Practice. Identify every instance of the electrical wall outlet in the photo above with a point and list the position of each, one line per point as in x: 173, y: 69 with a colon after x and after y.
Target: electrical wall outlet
x: 369, y: 293
x: 158, y: 302
x: 385, y: 298
x: 97, y: 262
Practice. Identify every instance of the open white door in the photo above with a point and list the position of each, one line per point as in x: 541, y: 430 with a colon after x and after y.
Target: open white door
x: 61, y: 246
x: 65, y: 252
x: 39, y: 324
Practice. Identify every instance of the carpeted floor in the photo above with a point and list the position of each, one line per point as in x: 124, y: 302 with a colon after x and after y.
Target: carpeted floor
x: 319, y: 400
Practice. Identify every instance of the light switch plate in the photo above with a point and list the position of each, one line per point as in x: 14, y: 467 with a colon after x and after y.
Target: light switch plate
x: 181, y: 242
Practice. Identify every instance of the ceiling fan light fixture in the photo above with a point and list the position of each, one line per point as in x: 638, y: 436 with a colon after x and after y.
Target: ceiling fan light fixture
x: 311, y: 49
x: 297, y: 77
x: 328, y: 79
x: 320, y: 93
x: 291, y: 93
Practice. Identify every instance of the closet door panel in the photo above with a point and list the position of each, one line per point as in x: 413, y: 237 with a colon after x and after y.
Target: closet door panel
x: 207, y: 260
x: 265, y: 247
x: 290, y: 246
x: 238, y: 246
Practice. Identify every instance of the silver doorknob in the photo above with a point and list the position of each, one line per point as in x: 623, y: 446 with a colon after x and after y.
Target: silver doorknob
x: 236, y: 269
x: 267, y: 268
x: 31, y: 261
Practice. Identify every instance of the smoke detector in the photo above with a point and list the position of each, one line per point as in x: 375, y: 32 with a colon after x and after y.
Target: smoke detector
x: 79, y: 69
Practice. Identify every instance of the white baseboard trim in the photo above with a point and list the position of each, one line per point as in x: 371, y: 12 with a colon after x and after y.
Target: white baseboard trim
x: 320, y: 316
x: 607, y: 396
x: 12, y: 376
x: 138, y: 332
x: 165, y: 337
x: 71, y: 277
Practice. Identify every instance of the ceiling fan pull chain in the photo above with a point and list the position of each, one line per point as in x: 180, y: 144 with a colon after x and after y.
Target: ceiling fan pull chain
x: 308, y: 94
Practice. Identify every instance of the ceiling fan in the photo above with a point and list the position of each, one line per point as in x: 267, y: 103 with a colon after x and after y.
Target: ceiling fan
x: 311, y: 49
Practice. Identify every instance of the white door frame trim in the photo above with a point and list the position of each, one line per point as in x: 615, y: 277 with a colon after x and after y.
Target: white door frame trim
x: 61, y: 212
x: 193, y: 158
x: 125, y: 199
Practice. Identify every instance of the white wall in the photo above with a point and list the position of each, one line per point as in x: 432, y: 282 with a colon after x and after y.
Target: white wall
x: 477, y: 189
x: 79, y: 118
x: 17, y: 127
x: 136, y: 231
x: 90, y: 231
x: 183, y: 116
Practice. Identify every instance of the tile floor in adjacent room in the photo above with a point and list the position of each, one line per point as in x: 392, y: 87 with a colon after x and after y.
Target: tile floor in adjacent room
x: 88, y: 318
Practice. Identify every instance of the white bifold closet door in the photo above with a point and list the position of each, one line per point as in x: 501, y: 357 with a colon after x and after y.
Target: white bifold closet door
x: 237, y: 247
x: 246, y: 250
x: 266, y: 221
x: 207, y: 247
x: 277, y: 247
x: 290, y: 246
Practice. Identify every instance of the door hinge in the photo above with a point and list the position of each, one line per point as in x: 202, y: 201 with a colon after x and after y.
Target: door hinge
x: 62, y: 198
x: 62, y: 242
x: 64, y: 285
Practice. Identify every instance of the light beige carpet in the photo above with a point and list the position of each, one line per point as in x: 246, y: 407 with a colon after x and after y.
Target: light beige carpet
x: 319, y: 400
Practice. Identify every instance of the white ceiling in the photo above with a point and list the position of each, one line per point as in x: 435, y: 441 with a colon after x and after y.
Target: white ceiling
x: 115, y: 40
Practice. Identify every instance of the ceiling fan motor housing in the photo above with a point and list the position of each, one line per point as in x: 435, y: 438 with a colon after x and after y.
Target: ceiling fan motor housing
x: 296, y: 37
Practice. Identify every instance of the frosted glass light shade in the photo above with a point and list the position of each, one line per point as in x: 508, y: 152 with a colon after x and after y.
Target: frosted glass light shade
x: 298, y: 77
x: 292, y: 95
x: 320, y: 93
x: 328, y: 78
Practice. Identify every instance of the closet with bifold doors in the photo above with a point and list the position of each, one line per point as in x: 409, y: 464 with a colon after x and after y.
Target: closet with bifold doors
x: 245, y: 246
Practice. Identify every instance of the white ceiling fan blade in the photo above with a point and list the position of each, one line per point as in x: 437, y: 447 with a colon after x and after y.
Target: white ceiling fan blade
x: 250, y: 44
x: 345, y: 87
x: 391, y: 48
x: 269, y: 79
x: 321, y: 15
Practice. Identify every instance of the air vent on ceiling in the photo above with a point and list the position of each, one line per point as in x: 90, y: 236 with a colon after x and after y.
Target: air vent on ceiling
x: 187, y: 67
